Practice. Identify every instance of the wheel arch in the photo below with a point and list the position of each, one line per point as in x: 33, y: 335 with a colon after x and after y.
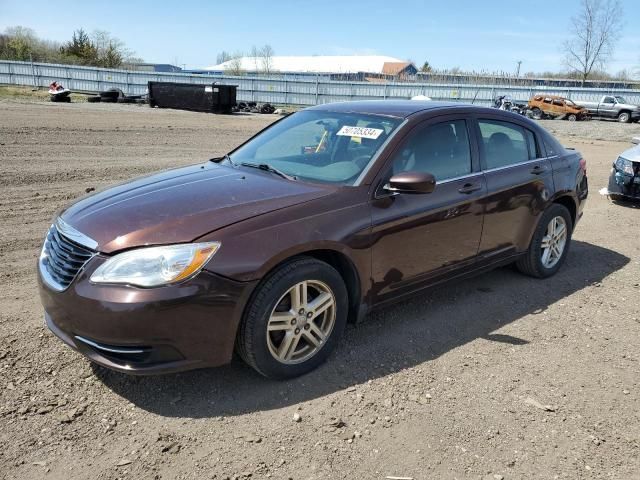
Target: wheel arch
x: 349, y: 273
x: 339, y: 260
x: 570, y: 204
x: 628, y: 112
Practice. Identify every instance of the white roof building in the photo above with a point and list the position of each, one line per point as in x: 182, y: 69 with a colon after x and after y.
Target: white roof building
x: 319, y: 64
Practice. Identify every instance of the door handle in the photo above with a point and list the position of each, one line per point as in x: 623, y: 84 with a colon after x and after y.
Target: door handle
x: 537, y: 170
x: 470, y: 188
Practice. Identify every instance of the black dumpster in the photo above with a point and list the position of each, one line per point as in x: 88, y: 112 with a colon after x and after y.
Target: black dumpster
x: 213, y: 98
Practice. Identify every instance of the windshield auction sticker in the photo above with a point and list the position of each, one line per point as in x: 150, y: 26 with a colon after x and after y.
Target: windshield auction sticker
x: 361, y: 132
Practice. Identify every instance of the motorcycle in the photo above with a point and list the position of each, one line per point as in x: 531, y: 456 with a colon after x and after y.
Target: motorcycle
x: 504, y: 102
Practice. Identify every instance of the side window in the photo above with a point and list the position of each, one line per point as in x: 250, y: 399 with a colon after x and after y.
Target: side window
x: 608, y: 100
x: 504, y: 143
x: 558, y: 102
x: 442, y: 149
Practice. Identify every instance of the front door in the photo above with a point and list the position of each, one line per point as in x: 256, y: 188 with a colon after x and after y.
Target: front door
x: 419, y: 236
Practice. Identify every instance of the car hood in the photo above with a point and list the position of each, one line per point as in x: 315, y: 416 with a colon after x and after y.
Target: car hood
x: 632, y: 154
x: 182, y: 205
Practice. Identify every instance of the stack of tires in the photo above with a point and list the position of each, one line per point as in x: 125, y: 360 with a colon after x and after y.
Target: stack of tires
x: 253, y: 107
x: 115, y: 95
x: 61, y: 99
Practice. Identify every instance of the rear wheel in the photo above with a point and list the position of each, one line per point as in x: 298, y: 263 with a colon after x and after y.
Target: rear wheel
x: 537, y: 114
x: 294, y: 320
x: 550, y: 243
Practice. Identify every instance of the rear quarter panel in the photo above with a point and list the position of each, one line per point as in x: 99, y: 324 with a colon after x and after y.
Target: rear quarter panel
x: 570, y: 179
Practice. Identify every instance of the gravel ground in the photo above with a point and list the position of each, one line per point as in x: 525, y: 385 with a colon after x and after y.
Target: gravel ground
x: 500, y: 376
x: 608, y: 130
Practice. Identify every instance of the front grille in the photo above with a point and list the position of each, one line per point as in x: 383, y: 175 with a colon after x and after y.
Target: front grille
x: 62, y: 259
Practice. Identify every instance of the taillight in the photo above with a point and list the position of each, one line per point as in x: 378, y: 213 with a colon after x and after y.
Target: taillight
x: 583, y: 165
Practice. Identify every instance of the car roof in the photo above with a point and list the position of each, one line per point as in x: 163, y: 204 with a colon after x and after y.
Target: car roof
x: 542, y: 95
x: 406, y: 108
x: 392, y: 108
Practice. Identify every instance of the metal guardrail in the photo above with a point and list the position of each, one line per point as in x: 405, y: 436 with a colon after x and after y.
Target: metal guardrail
x: 278, y: 90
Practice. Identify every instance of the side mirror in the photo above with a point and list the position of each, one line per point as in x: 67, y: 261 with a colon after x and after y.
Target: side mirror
x: 411, y: 182
x: 635, y: 140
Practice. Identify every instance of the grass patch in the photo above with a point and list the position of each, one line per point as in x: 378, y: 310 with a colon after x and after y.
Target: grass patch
x: 27, y: 93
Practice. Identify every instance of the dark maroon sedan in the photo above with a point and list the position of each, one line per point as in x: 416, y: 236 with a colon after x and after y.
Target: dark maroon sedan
x: 318, y: 219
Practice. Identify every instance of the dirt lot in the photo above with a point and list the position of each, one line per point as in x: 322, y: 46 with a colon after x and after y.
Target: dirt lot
x: 501, y: 376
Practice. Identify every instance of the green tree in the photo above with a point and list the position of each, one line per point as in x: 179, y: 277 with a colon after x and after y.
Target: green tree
x: 81, y: 47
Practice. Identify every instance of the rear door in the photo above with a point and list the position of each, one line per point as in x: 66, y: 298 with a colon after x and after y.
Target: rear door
x: 419, y: 236
x: 519, y: 181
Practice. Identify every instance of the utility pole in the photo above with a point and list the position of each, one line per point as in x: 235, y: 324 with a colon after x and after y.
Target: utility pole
x: 518, y: 69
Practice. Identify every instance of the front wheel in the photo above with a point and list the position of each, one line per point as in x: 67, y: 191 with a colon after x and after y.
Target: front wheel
x: 572, y: 118
x: 537, y: 114
x: 294, y: 320
x: 549, y: 245
x: 624, y: 117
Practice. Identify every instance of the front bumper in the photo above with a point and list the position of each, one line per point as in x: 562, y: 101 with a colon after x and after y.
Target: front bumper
x: 148, y: 331
x: 623, y: 184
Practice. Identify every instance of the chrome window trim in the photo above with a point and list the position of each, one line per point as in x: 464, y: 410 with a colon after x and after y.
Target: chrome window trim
x: 490, y: 170
x: 461, y: 177
x: 74, y: 235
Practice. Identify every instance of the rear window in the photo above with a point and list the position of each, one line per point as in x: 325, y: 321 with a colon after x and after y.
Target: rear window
x: 552, y: 146
x: 504, y: 143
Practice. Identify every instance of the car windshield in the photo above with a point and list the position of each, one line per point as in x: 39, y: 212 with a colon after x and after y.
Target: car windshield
x: 569, y: 102
x: 620, y: 99
x: 318, y: 146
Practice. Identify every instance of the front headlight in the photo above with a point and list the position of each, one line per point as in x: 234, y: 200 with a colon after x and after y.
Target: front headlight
x: 624, y: 165
x: 155, y: 266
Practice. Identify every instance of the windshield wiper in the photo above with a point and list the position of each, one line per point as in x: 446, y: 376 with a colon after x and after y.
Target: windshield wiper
x: 268, y: 168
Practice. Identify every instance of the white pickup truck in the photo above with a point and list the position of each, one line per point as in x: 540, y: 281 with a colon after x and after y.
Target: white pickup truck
x: 613, y: 106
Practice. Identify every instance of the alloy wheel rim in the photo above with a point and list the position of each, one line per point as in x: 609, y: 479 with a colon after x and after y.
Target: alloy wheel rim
x: 553, y: 242
x: 301, y: 322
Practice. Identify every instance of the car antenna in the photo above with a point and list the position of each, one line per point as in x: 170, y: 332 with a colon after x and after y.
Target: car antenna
x: 474, y: 97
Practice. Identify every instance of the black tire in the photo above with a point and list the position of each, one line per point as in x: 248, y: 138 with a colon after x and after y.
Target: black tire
x: 112, y: 93
x: 94, y: 99
x: 537, y: 114
x: 251, y: 341
x: 572, y: 117
x: 531, y: 262
x: 624, y: 117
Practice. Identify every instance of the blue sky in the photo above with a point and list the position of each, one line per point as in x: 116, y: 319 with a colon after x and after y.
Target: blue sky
x: 482, y: 35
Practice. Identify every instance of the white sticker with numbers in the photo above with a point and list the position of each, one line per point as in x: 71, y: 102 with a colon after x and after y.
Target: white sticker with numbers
x: 361, y: 132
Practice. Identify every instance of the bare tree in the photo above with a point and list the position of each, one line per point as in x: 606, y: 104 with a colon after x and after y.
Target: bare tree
x: 255, y: 56
x: 222, y: 57
x: 235, y: 64
x: 266, y: 58
x: 594, y: 33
